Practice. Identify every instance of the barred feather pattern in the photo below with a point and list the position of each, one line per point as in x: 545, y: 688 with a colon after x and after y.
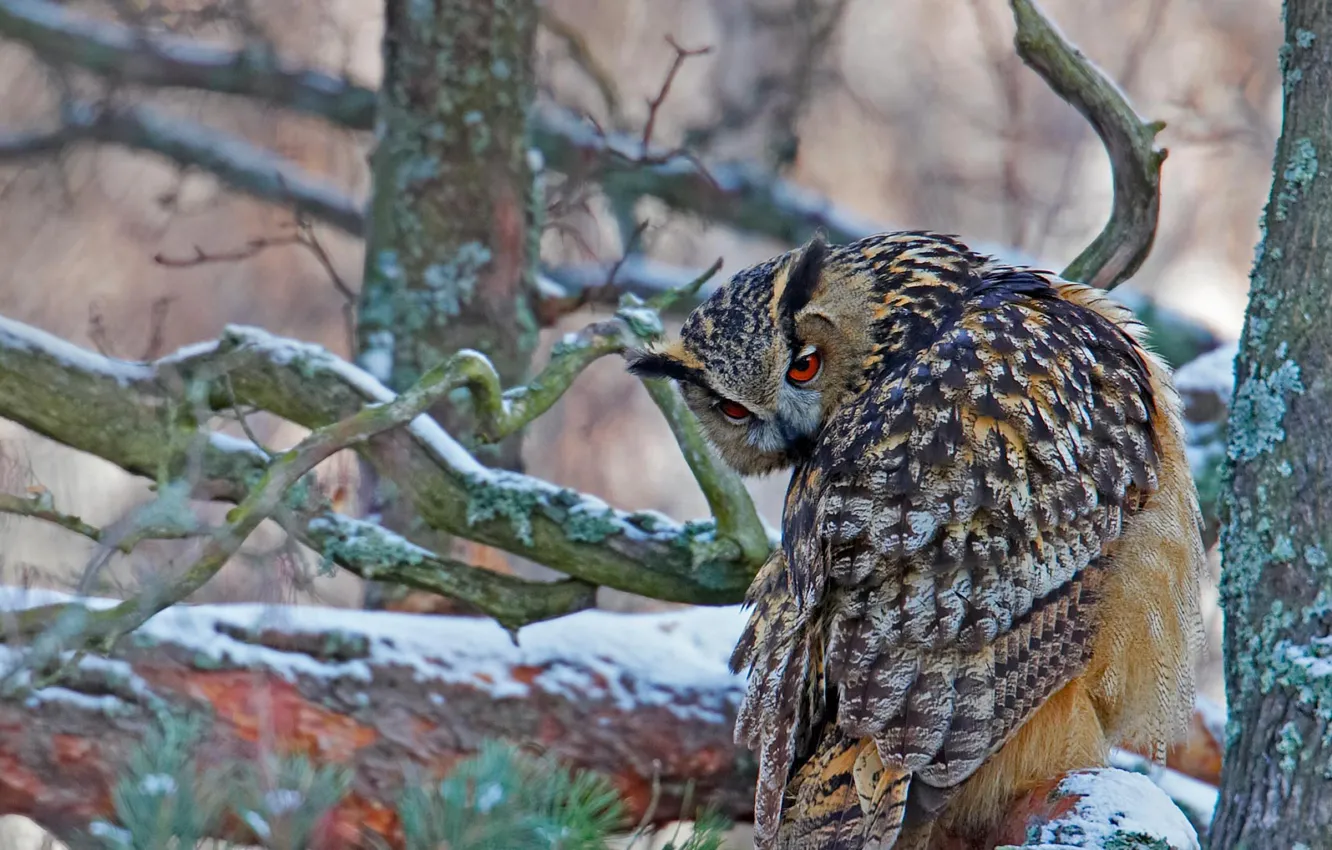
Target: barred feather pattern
x: 942, y: 541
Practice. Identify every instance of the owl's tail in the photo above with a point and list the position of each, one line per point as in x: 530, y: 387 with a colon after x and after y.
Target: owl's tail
x: 844, y: 798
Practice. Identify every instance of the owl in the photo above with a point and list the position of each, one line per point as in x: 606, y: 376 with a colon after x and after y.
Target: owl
x: 991, y: 542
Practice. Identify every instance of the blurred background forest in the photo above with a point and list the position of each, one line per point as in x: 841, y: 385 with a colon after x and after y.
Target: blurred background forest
x: 905, y: 114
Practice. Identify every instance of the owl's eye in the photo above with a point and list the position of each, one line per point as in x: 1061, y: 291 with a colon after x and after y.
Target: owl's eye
x: 733, y: 411
x: 806, y: 366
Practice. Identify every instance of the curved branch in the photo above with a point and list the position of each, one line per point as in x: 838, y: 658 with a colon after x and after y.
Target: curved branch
x: 1135, y: 161
x: 131, y: 55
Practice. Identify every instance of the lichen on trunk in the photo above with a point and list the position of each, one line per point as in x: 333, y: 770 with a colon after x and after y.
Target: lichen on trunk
x: 451, y: 253
x: 454, y: 224
x: 1277, y: 488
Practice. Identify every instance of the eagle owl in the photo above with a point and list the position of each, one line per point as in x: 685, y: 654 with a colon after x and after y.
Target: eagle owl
x: 991, y: 542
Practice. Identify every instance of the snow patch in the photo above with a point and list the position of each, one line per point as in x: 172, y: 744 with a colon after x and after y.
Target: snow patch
x: 1213, y: 372
x: 284, y: 351
x: 1114, y: 802
x: 675, y: 660
x: 187, y: 352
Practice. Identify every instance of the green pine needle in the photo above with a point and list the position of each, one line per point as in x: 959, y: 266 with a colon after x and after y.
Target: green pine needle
x: 504, y: 798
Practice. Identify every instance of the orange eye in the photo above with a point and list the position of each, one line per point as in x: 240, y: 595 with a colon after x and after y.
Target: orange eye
x: 806, y: 366
x: 733, y: 411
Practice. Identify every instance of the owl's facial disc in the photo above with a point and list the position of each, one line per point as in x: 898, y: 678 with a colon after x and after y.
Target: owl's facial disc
x: 791, y: 421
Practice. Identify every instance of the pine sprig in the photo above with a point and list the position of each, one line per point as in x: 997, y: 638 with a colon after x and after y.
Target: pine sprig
x: 504, y: 798
x: 283, y: 799
x: 162, y: 801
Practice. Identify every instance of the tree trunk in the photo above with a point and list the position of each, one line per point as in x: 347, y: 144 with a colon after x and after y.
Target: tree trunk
x: 454, y: 231
x: 1277, y: 512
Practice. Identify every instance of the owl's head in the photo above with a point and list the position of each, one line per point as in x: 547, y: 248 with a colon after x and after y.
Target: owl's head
x: 766, y: 359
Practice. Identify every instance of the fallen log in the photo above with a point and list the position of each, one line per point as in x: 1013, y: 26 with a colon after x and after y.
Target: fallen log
x: 645, y: 699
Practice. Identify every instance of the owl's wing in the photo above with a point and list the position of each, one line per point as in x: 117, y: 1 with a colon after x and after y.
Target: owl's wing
x: 943, y: 544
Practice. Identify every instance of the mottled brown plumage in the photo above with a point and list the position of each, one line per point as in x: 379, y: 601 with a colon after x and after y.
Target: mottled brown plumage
x: 989, y: 531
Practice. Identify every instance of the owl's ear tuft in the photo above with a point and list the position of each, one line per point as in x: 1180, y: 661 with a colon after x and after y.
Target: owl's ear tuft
x: 658, y: 364
x: 803, y: 277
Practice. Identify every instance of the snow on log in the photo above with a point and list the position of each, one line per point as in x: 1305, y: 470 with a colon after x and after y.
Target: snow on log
x: 646, y: 699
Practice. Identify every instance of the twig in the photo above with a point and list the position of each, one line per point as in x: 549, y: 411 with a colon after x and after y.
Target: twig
x: 39, y: 507
x: 304, y: 237
x: 664, y: 300
x: 244, y: 421
x: 1135, y: 161
x: 607, y: 291
x: 249, y: 250
x: 158, y: 313
x: 654, y: 104
x: 129, y: 55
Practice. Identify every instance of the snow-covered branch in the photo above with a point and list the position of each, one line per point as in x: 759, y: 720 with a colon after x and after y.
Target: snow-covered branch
x: 240, y: 164
x: 136, y: 415
x: 128, y: 55
x: 389, y: 694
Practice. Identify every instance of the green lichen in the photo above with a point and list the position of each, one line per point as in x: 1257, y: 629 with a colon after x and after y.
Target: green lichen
x: 586, y: 526
x: 1290, y: 743
x: 486, y: 501
x: 1305, y: 38
x: 454, y: 280
x: 1315, y: 556
x: 1135, y: 841
x: 1259, y: 409
x: 1301, y: 169
x: 365, y: 545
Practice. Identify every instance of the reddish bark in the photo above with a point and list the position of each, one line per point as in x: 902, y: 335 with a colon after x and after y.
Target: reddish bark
x: 360, y: 705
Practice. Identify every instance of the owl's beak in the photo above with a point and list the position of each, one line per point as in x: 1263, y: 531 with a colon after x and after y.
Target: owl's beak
x: 799, y: 440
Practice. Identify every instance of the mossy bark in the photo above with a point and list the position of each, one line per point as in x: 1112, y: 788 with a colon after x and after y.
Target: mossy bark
x: 1277, y: 492
x: 453, y: 242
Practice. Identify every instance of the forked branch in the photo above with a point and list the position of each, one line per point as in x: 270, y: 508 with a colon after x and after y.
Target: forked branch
x: 1135, y: 161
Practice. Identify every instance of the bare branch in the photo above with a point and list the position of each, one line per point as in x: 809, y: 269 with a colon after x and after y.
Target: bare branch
x: 654, y: 105
x: 373, y: 552
x: 1135, y: 161
x: 238, y: 163
x: 38, y: 506
x: 742, y: 195
x: 129, y: 55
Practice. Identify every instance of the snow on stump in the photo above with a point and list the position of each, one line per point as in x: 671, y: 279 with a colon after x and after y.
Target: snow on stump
x: 1106, y: 808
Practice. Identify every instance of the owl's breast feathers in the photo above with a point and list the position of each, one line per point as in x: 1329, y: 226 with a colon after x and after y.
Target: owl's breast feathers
x: 943, y: 543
